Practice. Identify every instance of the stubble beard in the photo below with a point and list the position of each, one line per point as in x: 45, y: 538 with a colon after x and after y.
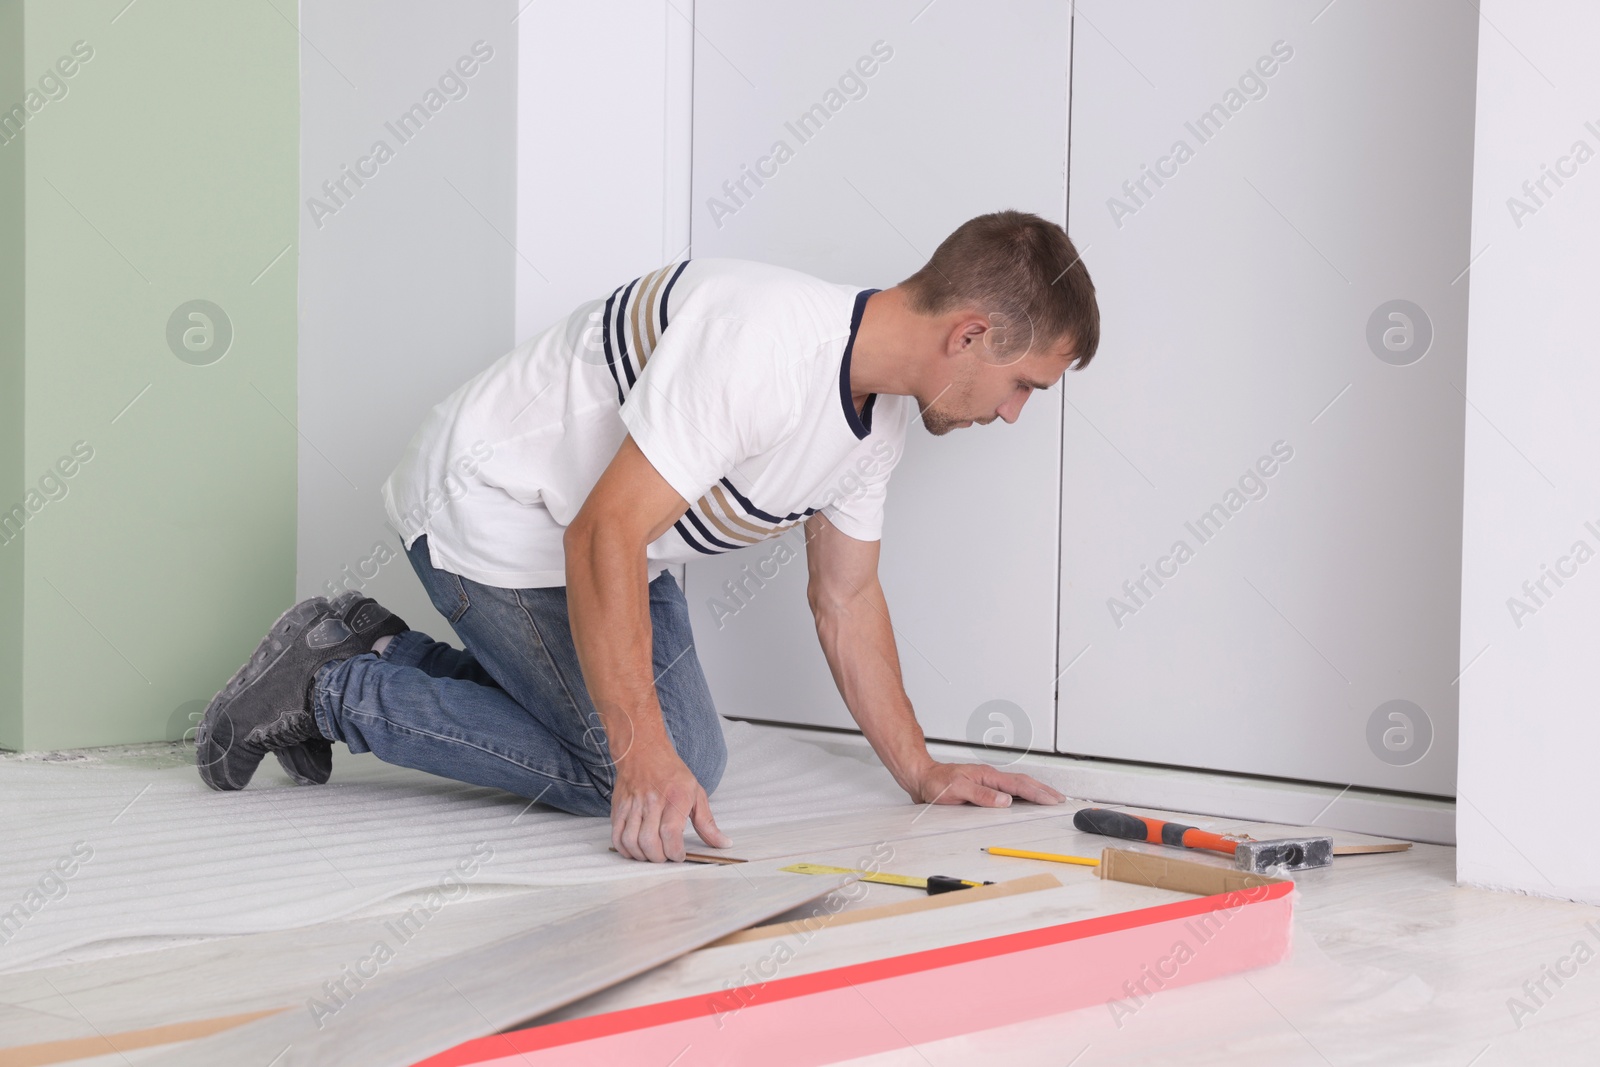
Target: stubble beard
x: 938, y: 423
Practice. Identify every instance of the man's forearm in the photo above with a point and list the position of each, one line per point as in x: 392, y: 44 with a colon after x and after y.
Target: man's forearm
x: 609, y: 610
x: 858, y: 641
x: 607, y: 548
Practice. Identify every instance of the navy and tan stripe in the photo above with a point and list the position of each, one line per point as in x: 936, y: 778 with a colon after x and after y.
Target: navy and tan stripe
x: 723, y: 510
x: 716, y: 524
x: 644, y: 345
x: 667, y: 293
x: 703, y: 506
x: 630, y: 325
x: 622, y: 335
x: 611, y: 360
x: 706, y: 535
x: 683, y: 532
x: 733, y: 515
x: 751, y: 509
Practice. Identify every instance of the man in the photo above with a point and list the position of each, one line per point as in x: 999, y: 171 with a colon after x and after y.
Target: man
x: 703, y: 407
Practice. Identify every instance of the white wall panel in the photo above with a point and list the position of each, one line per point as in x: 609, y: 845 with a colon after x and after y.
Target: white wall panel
x: 406, y: 289
x: 602, y: 149
x: 1530, y: 611
x: 1238, y: 288
x: 548, y: 178
x: 966, y: 115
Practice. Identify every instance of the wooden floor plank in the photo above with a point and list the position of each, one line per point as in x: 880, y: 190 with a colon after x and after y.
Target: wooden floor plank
x: 1031, y: 884
x: 79, y: 1048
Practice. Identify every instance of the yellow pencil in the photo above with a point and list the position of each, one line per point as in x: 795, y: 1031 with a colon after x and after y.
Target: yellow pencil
x: 1024, y: 854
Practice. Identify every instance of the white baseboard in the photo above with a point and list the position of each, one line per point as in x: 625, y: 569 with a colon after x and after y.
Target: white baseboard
x: 1365, y: 811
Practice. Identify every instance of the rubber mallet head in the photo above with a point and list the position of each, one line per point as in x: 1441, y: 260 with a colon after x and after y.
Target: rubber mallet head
x: 1289, y: 853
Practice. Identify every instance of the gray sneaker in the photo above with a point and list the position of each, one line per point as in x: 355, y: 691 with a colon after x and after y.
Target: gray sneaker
x: 361, y: 620
x: 264, y: 704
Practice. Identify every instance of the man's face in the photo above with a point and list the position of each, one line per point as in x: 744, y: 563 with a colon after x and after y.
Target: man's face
x: 981, y: 385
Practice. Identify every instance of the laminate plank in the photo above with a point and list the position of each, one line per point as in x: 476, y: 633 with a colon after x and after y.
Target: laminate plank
x: 396, y: 1023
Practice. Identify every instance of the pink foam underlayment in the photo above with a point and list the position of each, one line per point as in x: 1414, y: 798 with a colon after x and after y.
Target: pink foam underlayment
x: 880, y: 1005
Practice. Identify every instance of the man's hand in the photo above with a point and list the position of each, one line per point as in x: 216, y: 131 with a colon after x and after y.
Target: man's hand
x: 655, y: 795
x: 977, y: 783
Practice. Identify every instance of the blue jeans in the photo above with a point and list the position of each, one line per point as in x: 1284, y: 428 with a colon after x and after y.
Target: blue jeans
x: 511, y: 711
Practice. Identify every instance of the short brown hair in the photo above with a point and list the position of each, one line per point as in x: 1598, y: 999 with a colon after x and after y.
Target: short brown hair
x: 1019, y: 265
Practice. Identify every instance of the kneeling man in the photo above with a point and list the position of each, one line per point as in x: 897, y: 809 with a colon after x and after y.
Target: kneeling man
x: 702, y: 408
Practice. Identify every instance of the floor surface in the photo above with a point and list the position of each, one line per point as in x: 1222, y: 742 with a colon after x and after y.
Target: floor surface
x: 1392, y: 964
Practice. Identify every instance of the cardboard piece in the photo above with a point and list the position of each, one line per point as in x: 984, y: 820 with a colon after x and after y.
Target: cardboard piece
x: 1170, y: 872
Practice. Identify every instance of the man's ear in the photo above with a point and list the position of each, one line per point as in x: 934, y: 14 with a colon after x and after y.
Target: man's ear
x: 966, y: 334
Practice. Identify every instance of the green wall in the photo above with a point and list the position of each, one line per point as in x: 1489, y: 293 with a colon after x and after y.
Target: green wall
x: 11, y: 376
x: 166, y: 173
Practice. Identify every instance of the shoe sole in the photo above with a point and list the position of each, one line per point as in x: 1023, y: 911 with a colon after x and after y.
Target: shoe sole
x: 308, y: 763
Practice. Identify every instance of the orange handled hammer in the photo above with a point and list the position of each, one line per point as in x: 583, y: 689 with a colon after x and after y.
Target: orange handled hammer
x: 1293, y: 854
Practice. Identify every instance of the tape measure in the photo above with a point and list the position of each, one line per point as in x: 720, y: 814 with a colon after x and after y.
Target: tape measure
x: 937, y: 884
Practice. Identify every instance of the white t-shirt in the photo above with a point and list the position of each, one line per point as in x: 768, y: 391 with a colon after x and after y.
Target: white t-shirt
x: 732, y: 376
